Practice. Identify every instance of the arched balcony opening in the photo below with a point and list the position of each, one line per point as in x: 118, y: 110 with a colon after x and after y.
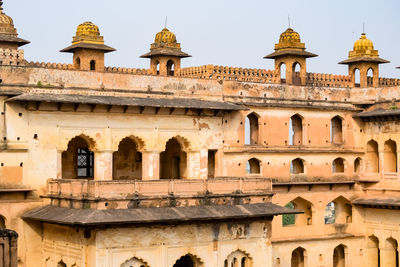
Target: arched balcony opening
x: 338, y: 165
x: 134, y: 262
x: 77, y: 63
x: 297, y: 166
x: 61, y: 264
x: 339, y: 211
x: 78, y: 160
x: 336, y: 130
x: 296, y: 131
x: 157, y: 64
x: 299, y: 219
x: 127, y: 161
x: 339, y: 256
x: 298, y: 257
x: 253, y: 166
x: 282, y: 72
x: 173, y: 161
x: 296, y: 79
x: 170, y: 68
x: 188, y: 261
x: 373, y: 251
x: 357, y: 165
x: 370, y: 77
x: 372, y: 157
x: 92, y: 65
x: 251, y: 129
x: 390, y: 156
x: 238, y: 259
x: 289, y: 219
x: 356, y: 74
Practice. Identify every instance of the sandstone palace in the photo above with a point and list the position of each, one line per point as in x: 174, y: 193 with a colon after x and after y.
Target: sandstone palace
x: 206, y: 166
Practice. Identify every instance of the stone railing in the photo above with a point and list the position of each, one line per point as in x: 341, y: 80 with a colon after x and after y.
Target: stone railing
x: 90, y: 189
x: 230, y: 74
x: 330, y: 80
x: 48, y: 65
x: 389, y: 82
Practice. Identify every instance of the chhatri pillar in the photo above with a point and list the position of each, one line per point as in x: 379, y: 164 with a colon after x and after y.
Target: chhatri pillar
x: 88, y: 48
x: 165, y: 54
x: 363, y: 58
x: 291, y: 52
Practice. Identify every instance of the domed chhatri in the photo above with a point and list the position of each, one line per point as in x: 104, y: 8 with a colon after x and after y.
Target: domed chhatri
x: 289, y: 39
x: 291, y: 52
x: 88, y: 32
x: 165, y: 44
x: 88, y: 48
x: 363, y: 47
x: 165, y: 54
x: 8, y: 33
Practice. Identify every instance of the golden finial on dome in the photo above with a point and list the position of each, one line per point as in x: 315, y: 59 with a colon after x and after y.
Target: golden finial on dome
x: 88, y: 32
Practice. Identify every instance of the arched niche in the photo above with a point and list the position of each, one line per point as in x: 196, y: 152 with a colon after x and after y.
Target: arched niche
x: 390, y: 156
x: 253, y: 166
x: 372, y: 157
x: 173, y: 161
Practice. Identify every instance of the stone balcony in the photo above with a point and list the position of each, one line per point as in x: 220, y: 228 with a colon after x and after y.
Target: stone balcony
x: 158, y: 193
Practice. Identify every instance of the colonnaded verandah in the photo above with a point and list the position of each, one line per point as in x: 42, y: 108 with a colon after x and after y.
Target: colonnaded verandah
x: 196, y: 167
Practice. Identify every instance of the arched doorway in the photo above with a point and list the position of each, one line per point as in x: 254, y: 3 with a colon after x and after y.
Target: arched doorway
x: 78, y: 160
x: 370, y: 77
x: 92, y: 65
x: 188, y: 261
x: 373, y: 252
x: 357, y: 165
x: 336, y: 130
x: 356, y: 74
x: 297, y: 166
x: 339, y: 258
x: 173, y: 161
x: 127, y: 161
x: 253, y: 166
x: 338, y: 166
x: 390, y: 156
x: 282, y: 71
x: 298, y: 257
x: 251, y: 129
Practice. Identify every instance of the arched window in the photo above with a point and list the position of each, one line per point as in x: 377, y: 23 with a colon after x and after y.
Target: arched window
x: 390, y: 256
x: 92, y: 65
x: 157, y: 68
x: 2, y: 222
x: 299, y: 219
x: 296, y: 79
x: 357, y: 165
x: 373, y: 251
x: 170, y: 68
x: 372, y: 157
x: 297, y: 166
x: 338, y: 211
x: 336, y: 130
x: 253, y: 166
x: 338, y: 165
x: 289, y: 219
x: 330, y: 211
x: 298, y: 257
x: 370, y: 77
x: 134, y: 262
x: 78, y: 63
x: 251, y: 129
x: 173, y: 161
x: 282, y: 70
x: 238, y: 259
x: 188, y: 261
x: 390, y: 156
x: 356, y: 77
x: 61, y: 264
x: 296, y: 131
x: 339, y: 258
x: 78, y: 160
x: 127, y: 161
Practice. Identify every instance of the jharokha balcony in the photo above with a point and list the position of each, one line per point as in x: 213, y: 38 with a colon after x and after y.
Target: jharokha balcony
x: 128, y: 194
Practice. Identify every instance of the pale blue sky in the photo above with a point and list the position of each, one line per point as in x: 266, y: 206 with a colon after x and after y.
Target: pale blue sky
x: 221, y: 32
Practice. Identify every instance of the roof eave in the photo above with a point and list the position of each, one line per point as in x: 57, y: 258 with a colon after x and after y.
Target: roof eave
x: 73, y: 48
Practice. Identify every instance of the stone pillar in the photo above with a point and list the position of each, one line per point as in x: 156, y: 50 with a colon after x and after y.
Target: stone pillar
x: 8, y: 248
x: 150, y: 165
x: 59, y: 164
x: 204, y: 164
x: 103, y: 165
